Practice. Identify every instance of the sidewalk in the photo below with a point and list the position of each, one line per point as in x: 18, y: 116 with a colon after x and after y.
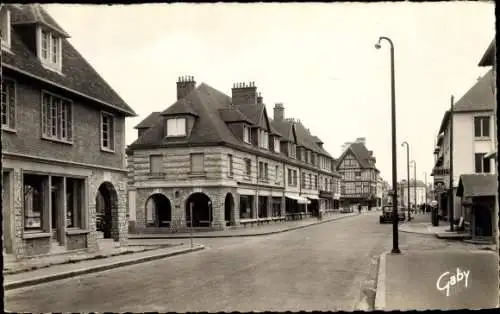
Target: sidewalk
x: 421, y: 224
x: 264, y: 229
x: 67, y: 270
x: 437, y: 279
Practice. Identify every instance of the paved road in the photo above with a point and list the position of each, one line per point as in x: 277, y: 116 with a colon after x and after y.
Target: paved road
x: 316, y: 268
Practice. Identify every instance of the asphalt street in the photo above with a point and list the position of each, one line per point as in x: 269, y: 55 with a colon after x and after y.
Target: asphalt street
x: 315, y: 268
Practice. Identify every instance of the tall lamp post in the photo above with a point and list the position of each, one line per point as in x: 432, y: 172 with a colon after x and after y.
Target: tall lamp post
x: 408, y: 174
x: 395, y: 240
x: 414, y: 183
x: 425, y: 199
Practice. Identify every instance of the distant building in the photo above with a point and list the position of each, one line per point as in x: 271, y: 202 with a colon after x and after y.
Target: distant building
x: 420, y: 189
x: 357, y: 166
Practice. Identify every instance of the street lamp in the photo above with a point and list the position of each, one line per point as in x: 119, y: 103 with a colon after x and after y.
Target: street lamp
x: 414, y: 183
x: 395, y: 244
x: 425, y: 200
x: 408, y: 174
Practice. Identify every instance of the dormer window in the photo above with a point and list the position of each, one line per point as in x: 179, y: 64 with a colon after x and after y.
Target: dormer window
x: 49, y: 49
x: 176, y: 127
x: 263, y: 139
x: 246, y: 134
x: 292, y: 150
x: 5, y: 26
x: 276, y: 145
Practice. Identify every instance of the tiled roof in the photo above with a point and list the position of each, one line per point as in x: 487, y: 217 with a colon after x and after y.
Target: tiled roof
x: 361, y: 153
x: 474, y: 185
x: 229, y: 115
x: 182, y: 106
x: 488, y: 58
x: 34, y: 14
x: 149, y: 121
x: 78, y: 77
x: 479, y: 97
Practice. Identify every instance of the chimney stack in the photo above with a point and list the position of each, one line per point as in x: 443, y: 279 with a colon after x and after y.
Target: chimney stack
x: 244, y: 94
x: 279, y: 112
x: 185, y: 85
x: 259, y: 98
x: 361, y: 140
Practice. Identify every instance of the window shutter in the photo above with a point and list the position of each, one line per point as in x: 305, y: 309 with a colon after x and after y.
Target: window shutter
x: 155, y: 163
x: 12, y: 104
x: 181, y: 126
x: 197, y: 163
x: 171, y: 127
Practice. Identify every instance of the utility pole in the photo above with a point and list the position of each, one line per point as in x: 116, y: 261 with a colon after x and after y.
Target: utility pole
x: 451, y: 205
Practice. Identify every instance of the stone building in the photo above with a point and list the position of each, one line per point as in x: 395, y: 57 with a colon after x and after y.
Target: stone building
x: 360, y: 175
x: 63, y: 141
x: 212, y: 161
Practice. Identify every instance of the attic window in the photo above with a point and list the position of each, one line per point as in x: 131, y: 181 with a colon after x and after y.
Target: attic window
x: 5, y: 26
x: 276, y: 145
x: 49, y: 49
x: 246, y: 134
x: 263, y: 139
x: 176, y: 127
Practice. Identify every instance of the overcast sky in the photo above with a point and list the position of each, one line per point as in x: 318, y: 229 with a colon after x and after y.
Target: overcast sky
x: 318, y: 59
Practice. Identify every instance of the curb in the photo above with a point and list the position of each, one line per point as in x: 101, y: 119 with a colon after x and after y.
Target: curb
x: 95, y: 269
x: 147, y: 237
x: 380, y: 292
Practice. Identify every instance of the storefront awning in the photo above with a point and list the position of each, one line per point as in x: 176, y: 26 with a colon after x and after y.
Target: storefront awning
x: 475, y: 185
x: 313, y: 197
x: 299, y: 199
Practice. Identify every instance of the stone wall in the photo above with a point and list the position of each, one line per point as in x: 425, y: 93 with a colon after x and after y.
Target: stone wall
x: 76, y: 242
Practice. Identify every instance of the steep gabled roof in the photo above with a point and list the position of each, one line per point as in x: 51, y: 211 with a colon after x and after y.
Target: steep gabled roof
x: 79, y: 77
x: 230, y: 115
x: 360, y: 152
x: 488, y: 58
x: 35, y: 14
x: 480, y: 97
x: 477, y: 184
x: 149, y: 121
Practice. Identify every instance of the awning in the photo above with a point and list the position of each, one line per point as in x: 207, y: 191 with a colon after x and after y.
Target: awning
x: 299, y: 199
x: 313, y: 197
x: 491, y: 155
x: 475, y: 185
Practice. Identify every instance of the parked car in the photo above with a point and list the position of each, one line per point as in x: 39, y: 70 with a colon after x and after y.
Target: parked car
x: 386, y: 215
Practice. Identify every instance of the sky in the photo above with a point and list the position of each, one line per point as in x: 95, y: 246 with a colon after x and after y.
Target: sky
x: 319, y: 60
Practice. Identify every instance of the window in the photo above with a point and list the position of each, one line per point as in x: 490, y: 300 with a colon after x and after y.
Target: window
x: 34, y: 218
x: 57, y: 118
x: 294, y: 177
x: 310, y: 181
x: 263, y: 139
x: 357, y: 174
x: 230, y: 164
x: 292, y: 150
x: 481, y: 126
x: 176, y: 127
x: 277, y: 173
x: 5, y: 26
x: 482, y: 164
x: 246, y: 134
x: 74, y: 202
x: 315, y: 181
x: 303, y: 180
x: 276, y: 145
x: 8, y: 104
x: 266, y: 171
x: 197, y: 161
x: 155, y: 165
x: 50, y: 49
x: 107, y: 131
x: 290, y: 177
x: 248, y: 164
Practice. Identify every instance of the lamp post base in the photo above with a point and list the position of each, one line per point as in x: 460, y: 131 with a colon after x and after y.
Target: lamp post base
x: 396, y: 251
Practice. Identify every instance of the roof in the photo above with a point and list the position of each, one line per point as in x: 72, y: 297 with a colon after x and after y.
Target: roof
x: 361, y: 153
x: 488, y: 58
x: 79, y: 77
x: 475, y: 185
x: 479, y: 97
x: 149, y: 121
x: 35, y: 14
x: 211, y: 111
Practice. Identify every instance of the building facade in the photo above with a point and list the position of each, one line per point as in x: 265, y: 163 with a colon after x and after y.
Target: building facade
x: 63, y: 141
x: 473, y: 140
x: 212, y: 161
x: 359, y: 173
x: 417, y: 193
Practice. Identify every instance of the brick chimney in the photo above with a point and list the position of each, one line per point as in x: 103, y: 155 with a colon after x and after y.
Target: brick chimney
x: 361, y: 140
x: 244, y: 94
x: 259, y: 98
x: 185, y: 85
x: 279, y: 112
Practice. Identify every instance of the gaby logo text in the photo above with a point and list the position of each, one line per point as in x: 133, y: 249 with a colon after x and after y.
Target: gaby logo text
x: 450, y: 279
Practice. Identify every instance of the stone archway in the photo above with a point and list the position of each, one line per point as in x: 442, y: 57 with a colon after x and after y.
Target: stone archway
x: 200, y: 205
x: 107, y: 211
x: 229, y: 209
x: 158, y: 211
